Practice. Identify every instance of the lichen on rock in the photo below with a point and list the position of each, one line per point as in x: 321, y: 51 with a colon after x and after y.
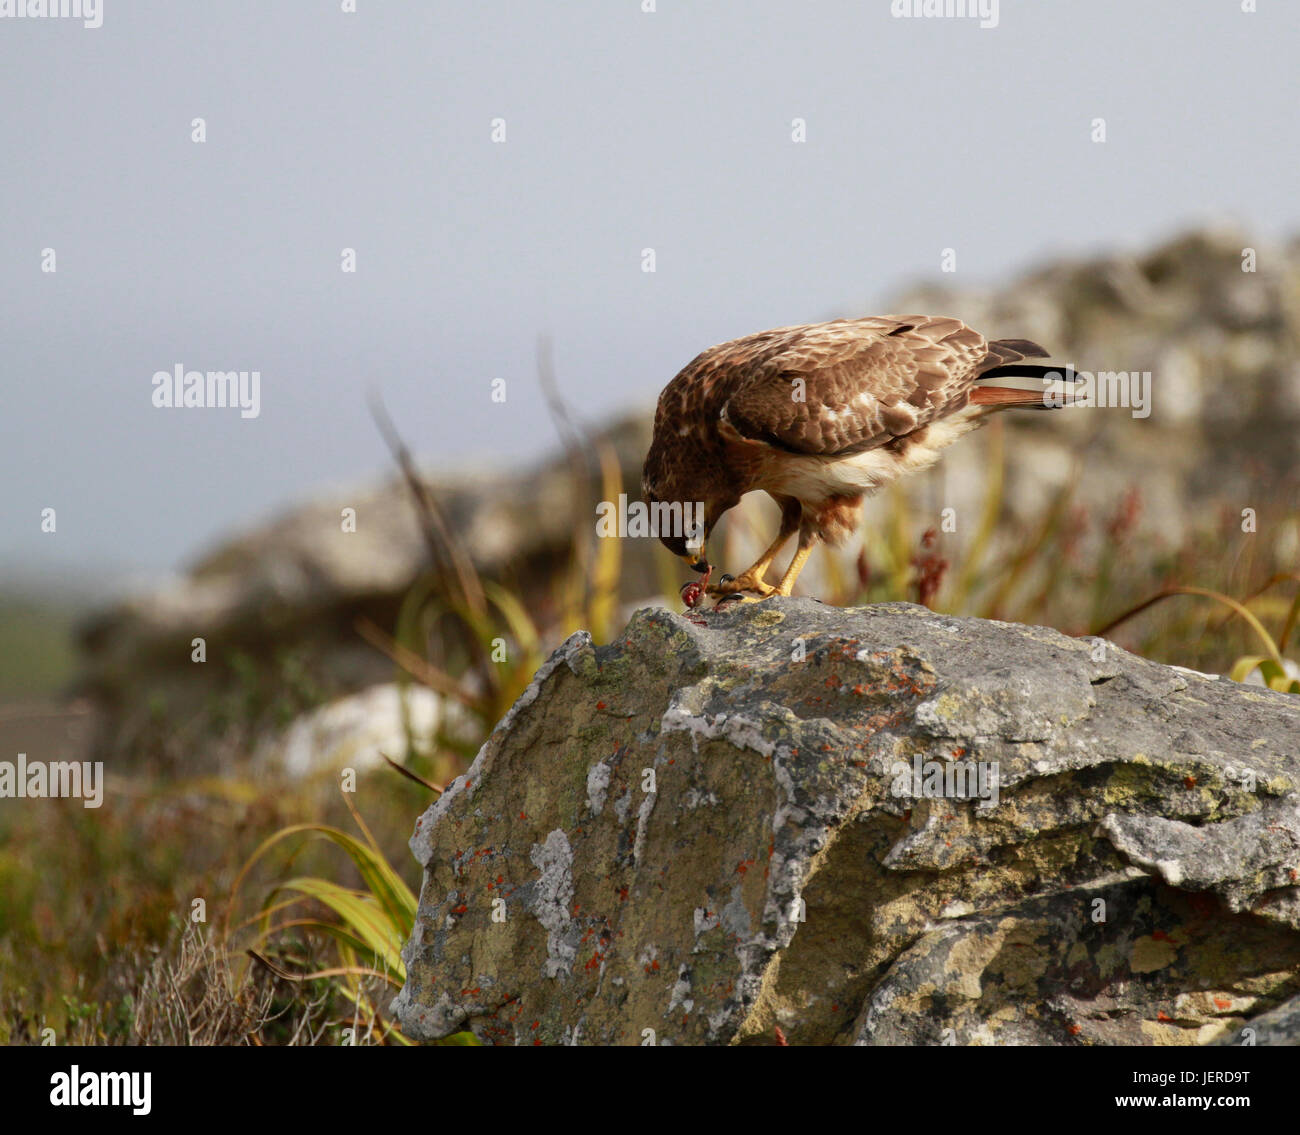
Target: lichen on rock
x: 754, y: 818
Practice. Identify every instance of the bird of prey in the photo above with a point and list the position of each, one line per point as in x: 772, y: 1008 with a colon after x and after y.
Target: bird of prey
x: 819, y: 416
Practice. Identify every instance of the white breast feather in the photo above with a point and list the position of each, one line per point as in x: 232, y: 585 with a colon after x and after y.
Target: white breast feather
x: 818, y: 478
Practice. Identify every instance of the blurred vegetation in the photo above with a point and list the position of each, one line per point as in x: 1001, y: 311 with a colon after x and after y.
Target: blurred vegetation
x: 1223, y: 601
x: 94, y: 901
x: 96, y: 941
x: 37, y: 657
x: 366, y: 926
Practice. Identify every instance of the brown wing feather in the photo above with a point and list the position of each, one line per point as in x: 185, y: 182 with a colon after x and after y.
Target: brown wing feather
x: 863, y: 382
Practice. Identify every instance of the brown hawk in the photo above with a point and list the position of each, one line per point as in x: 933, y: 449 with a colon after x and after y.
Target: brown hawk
x: 819, y: 416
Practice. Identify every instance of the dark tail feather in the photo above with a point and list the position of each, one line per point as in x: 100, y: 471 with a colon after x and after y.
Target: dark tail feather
x: 1028, y: 370
x: 1003, y: 361
x: 1003, y: 351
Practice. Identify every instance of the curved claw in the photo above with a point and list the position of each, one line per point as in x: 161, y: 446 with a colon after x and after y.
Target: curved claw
x: 729, y: 585
x: 740, y: 597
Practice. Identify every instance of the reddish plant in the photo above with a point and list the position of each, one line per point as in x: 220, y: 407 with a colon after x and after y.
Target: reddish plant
x: 930, y: 569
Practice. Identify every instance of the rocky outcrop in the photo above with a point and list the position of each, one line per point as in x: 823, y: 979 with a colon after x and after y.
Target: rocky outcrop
x: 278, y: 607
x: 867, y: 826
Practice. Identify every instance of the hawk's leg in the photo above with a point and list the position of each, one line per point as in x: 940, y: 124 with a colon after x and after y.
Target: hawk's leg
x: 807, y: 540
x: 751, y: 579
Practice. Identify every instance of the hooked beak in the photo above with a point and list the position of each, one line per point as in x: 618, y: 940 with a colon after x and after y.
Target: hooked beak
x: 697, y: 561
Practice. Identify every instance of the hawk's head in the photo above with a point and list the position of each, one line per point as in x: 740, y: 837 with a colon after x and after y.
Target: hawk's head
x: 682, y: 525
x: 689, y: 548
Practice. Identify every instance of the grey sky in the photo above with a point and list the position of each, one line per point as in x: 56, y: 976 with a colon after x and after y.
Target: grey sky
x: 624, y: 131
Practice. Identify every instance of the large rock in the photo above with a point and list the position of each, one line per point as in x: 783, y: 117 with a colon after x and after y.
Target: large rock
x: 712, y: 828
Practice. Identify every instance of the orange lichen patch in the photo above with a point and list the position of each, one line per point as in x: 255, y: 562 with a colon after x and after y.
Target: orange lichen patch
x: 1074, y: 1030
x: 1222, y: 1003
x: 744, y: 866
x: 1189, y: 782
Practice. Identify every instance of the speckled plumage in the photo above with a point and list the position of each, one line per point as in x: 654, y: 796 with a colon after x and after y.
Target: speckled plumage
x: 821, y: 413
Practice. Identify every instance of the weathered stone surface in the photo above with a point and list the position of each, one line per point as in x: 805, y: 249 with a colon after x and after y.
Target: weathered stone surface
x: 1129, y: 877
x: 1280, y: 1026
